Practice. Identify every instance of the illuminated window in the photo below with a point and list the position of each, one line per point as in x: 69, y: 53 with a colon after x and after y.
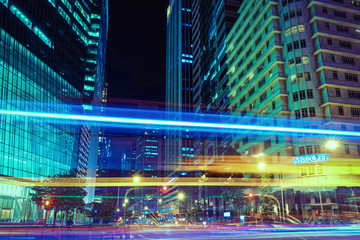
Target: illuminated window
x: 64, y: 15
x: 287, y: 32
x: 52, y: 2
x: 81, y: 22
x: 86, y: 16
x: 305, y: 59
x: 67, y: 5
x: 80, y: 33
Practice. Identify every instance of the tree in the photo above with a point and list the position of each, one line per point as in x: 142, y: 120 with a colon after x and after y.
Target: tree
x: 62, y: 198
x: 267, y: 203
x: 236, y: 196
x: 103, y: 210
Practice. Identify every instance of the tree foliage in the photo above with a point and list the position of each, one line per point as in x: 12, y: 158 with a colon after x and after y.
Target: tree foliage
x: 61, y: 198
x: 267, y: 203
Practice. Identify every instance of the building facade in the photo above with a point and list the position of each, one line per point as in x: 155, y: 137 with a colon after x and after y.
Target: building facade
x: 212, y: 21
x: 42, y: 70
x: 179, y: 89
x: 296, y: 62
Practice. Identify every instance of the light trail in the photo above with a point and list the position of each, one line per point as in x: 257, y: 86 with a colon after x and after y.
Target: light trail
x: 167, y: 123
x: 343, y: 181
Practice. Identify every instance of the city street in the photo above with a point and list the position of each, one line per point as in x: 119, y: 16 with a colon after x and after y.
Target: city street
x: 310, y: 232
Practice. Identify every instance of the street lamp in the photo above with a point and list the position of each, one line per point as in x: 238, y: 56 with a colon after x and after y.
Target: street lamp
x: 332, y: 144
x: 181, y: 196
x: 136, y: 179
x: 160, y: 201
x: 261, y: 165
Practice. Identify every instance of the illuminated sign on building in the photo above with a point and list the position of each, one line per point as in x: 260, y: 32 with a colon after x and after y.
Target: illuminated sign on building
x: 311, y: 158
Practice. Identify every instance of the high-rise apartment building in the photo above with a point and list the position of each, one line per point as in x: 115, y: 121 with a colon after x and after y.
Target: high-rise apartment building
x: 43, y: 53
x: 297, y: 60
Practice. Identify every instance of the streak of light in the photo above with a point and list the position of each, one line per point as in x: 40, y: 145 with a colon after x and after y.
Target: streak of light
x: 166, y: 123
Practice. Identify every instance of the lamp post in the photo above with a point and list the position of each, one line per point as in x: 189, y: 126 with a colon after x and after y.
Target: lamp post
x: 136, y: 179
x: 332, y: 145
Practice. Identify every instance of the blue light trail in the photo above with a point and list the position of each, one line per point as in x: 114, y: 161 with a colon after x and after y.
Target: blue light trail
x: 194, y: 126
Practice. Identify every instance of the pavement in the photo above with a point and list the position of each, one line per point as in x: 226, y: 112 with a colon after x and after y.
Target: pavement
x: 217, y: 232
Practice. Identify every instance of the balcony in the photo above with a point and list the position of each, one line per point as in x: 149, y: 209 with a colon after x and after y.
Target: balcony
x: 336, y: 65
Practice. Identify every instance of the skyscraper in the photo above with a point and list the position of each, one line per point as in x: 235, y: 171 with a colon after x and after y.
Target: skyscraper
x: 297, y: 60
x: 179, y: 90
x: 43, y: 53
x: 212, y: 21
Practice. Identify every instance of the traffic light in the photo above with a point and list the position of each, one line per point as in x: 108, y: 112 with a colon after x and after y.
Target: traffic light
x: 48, y: 204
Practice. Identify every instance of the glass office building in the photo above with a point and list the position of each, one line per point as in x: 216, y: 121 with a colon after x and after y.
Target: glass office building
x: 42, y: 69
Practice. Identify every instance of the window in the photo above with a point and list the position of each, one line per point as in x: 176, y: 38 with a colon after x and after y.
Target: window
x: 347, y: 148
x: 355, y: 3
x: 309, y: 149
x: 312, y: 112
x: 273, y: 105
x: 327, y: 25
x: 339, y: 14
x: 304, y: 112
x: 292, y: 14
x: 293, y: 79
x: 355, y: 112
x: 303, y: 172
x: 317, y: 149
x: 296, y: 45
x: 299, y: 12
x: 289, y: 47
x: 354, y: 94
x: 302, y: 95
x: 300, y: 77
x: 287, y: 32
x: 345, y: 44
x: 351, y: 77
x: 356, y: 17
x: 305, y: 59
x: 270, y: 73
x: 242, y: 100
x: 309, y: 93
x: 251, y: 92
x: 261, y: 82
x: 335, y: 76
x: 297, y: 114
x: 341, y: 110
x: 307, y: 76
x: 343, y: 127
x: 337, y: 92
x: 301, y: 28
x: 263, y: 97
x: 286, y: 16
x: 267, y: 144
x: 301, y: 151
x: 343, y: 29
x: 324, y: 10
x: 297, y: 60
x: 332, y: 58
x: 295, y: 97
x: 356, y: 128
x: 303, y: 43
x: 291, y: 62
x: 329, y: 41
x: 348, y: 61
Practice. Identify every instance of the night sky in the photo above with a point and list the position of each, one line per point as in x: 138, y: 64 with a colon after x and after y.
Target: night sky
x: 135, y: 61
x: 136, y: 50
